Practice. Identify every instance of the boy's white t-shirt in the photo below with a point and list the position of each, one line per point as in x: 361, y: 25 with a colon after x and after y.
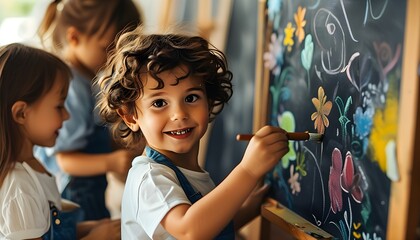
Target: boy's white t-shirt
x: 151, y: 190
x: 24, y: 199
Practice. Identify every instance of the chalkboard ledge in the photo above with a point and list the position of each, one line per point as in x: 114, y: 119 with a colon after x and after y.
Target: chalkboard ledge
x: 273, y: 212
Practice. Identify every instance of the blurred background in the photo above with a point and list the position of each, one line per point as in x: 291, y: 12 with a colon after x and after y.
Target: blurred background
x: 230, y: 25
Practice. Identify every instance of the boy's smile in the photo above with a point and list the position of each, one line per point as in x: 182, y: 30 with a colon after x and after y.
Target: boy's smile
x: 183, y: 133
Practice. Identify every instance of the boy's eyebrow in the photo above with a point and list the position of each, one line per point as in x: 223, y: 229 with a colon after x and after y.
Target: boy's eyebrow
x: 196, y: 89
x: 159, y: 93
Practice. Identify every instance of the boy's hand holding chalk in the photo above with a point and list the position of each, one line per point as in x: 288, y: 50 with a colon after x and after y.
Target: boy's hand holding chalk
x: 298, y: 136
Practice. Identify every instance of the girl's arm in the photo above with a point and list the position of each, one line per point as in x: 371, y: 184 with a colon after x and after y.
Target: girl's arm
x: 85, y: 164
x: 105, y: 229
x: 208, y: 216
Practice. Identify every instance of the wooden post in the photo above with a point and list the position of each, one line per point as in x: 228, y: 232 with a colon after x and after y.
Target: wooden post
x: 403, y: 214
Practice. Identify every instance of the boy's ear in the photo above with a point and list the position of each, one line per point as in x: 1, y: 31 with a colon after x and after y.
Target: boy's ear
x: 18, y: 111
x: 73, y: 36
x: 129, y: 119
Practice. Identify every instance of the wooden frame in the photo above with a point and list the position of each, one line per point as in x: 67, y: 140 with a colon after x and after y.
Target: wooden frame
x: 288, y: 223
x: 405, y: 195
x: 261, y: 72
x: 404, y: 210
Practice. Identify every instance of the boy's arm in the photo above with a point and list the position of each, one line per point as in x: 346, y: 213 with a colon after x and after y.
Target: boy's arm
x: 208, y: 216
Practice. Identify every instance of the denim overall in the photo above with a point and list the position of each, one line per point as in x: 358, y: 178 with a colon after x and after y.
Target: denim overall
x: 63, y: 224
x: 89, y: 193
x: 228, y: 232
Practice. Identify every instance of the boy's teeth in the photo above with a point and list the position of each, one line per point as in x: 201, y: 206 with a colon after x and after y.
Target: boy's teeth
x: 179, y: 132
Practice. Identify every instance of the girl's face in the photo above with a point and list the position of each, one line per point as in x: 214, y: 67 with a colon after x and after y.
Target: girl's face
x: 45, y: 117
x: 91, y: 51
x: 173, y: 119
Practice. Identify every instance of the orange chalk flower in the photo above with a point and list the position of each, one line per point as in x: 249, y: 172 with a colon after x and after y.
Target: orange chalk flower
x: 300, y: 23
x: 323, y: 109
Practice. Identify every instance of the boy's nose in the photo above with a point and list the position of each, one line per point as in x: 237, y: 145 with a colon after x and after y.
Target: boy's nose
x: 179, y: 113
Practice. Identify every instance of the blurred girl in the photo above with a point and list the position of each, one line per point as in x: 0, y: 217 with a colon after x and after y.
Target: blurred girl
x: 80, y: 32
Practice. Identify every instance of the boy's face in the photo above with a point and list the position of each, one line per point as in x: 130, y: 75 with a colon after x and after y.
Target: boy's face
x: 46, y: 116
x: 173, y: 119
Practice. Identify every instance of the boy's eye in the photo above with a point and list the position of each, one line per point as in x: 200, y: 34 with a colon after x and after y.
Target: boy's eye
x: 159, y: 103
x: 191, y: 98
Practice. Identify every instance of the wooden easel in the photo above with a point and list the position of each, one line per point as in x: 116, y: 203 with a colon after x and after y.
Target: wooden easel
x: 404, y: 207
x: 212, y: 24
x: 274, y: 214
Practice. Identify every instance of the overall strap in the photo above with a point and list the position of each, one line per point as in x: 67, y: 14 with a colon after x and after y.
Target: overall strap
x: 228, y: 233
x: 192, y: 195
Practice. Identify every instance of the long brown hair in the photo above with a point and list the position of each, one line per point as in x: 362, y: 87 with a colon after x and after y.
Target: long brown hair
x: 90, y: 17
x: 26, y: 74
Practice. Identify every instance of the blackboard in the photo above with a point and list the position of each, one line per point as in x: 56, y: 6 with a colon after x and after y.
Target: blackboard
x: 336, y: 67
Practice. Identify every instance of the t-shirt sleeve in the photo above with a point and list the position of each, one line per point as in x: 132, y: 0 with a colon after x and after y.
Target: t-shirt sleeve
x: 158, y: 192
x: 75, y: 131
x: 24, y: 218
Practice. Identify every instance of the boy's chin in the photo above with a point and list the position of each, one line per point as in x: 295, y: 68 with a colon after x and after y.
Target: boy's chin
x: 182, y: 150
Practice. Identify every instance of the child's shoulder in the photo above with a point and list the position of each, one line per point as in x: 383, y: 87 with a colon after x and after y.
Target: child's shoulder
x: 19, y: 175
x: 144, y: 168
x: 145, y: 163
x: 18, y: 181
x: 22, y: 205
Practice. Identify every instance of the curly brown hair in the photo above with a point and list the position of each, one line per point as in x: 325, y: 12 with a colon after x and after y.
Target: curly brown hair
x: 138, y: 54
